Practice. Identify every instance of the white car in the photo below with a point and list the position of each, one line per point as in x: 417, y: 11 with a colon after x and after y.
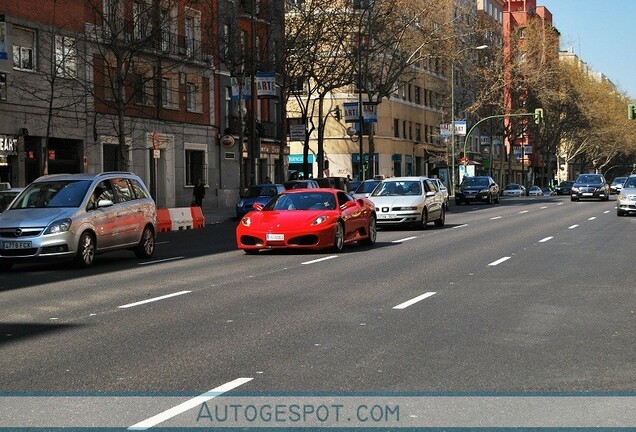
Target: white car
x: 626, y: 200
x: 514, y: 190
x: 365, y: 188
x: 444, y: 190
x: 535, y: 191
x: 408, y: 201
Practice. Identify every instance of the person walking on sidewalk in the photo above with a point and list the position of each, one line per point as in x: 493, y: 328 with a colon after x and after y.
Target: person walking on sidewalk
x: 198, y: 193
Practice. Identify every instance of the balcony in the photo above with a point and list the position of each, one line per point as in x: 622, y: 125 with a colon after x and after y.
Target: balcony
x: 266, y: 129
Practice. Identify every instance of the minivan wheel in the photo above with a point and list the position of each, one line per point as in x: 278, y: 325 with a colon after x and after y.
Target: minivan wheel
x: 146, y: 246
x: 85, y: 251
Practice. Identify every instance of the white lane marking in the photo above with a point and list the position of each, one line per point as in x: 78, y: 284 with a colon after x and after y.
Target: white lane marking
x: 499, y: 261
x: 129, y: 305
x: 496, y: 217
x: 607, y: 211
x: 320, y: 259
x: 543, y: 207
x: 460, y: 226
x: 404, y: 239
x: 187, y: 405
x: 592, y: 218
x: 573, y: 226
x: 523, y: 211
x: 161, y: 242
x: 414, y: 300
x: 560, y: 204
x: 543, y: 240
x: 161, y: 260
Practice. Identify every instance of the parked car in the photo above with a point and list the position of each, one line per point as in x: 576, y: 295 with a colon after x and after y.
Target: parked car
x: 76, y: 216
x: 590, y: 186
x: 547, y: 191
x: 535, y: 191
x: 308, y: 219
x: 261, y: 194
x: 617, y: 184
x: 444, y: 190
x: 300, y: 184
x: 7, y: 195
x: 477, y: 188
x: 513, y: 190
x: 564, y: 188
x: 365, y: 188
x: 333, y: 182
x: 353, y: 185
x: 408, y: 200
x: 626, y: 199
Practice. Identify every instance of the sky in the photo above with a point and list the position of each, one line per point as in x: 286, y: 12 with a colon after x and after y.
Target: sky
x: 603, y: 35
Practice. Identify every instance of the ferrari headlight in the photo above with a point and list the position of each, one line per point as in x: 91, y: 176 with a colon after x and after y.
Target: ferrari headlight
x: 58, y: 226
x: 319, y: 220
x: 246, y: 221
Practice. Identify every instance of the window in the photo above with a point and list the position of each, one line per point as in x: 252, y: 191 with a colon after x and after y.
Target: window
x: 65, y: 57
x: 189, y: 36
x: 124, y: 192
x: 141, y: 20
x: 297, y: 85
x: 404, y: 129
x: 195, y: 166
x: 23, y: 49
x: 396, y: 128
x: 3, y: 86
x: 143, y: 89
x: 418, y: 132
x: 193, y: 96
x: 418, y: 99
x: 226, y: 41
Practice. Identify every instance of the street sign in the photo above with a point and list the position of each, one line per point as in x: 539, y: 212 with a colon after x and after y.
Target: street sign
x: 351, y: 114
x: 297, y: 132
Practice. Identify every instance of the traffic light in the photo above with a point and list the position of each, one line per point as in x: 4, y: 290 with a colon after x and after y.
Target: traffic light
x: 337, y: 113
x: 631, y: 111
x: 538, y: 116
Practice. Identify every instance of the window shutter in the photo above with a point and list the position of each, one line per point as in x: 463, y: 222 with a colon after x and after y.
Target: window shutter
x: 23, y: 37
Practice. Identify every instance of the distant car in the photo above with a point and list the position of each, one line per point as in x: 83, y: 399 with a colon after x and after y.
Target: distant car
x: 300, y: 184
x: 547, y: 191
x: 477, y: 188
x: 513, y: 190
x: 365, y: 188
x: 308, y: 219
x: 535, y: 191
x: 260, y: 194
x: 408, y: 201
x: 444, y: 190
x: 333, y: 182
x: 564, y: 188
x: 626, y: 199
x: 353, y: 185
x: 590, y: 186
x: 7, y: 195
x: 78, y: 216
x: 617, y: 184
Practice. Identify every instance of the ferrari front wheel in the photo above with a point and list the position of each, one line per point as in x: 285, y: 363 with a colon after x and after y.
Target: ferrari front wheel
x: 338, y: 243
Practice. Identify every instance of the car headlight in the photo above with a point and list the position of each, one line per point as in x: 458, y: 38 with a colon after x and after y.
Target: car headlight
x: 246, y: 221
x: 409, y: 208
x: 59, y: 226
x: 319, y: 220
x: 575, y: 189
x: 484, y: 190
x: 622, y: 197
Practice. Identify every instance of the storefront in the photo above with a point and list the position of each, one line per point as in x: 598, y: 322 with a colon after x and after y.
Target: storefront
x: 9, y: 159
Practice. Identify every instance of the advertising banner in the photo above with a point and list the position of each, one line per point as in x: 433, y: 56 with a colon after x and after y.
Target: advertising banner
x: 351, y: 114
x: 266, y: 84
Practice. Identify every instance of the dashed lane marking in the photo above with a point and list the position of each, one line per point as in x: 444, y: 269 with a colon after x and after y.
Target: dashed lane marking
x: 413, y: 300
x: 320, y: 259
x: 499, y: 261
x: 129, y: 305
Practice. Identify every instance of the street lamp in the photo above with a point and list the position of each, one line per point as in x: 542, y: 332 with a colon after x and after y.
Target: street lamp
x: 452, y: 182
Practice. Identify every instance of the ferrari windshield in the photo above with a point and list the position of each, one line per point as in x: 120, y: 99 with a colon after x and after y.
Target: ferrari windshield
x: 303, y: 201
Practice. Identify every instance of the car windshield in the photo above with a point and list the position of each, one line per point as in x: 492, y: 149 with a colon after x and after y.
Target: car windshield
x: 366, y: 187
x: 63, y: 193
x: 591, y: 178
x: 475, y: 181
x: 258, y: 191
x: 303, y: 201
x: 512, y: 187
x: 619, y: 180
x: 630, y: 183
x: 397, y: 188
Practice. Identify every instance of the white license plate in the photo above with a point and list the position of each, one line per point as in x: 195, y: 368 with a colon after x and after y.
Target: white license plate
x: 386, y: 216
x: 587, y: 194
x: 17, y: 245
x: 275, y: 237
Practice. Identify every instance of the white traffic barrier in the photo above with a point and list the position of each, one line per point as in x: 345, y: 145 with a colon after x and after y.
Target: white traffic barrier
x: 181, y: 218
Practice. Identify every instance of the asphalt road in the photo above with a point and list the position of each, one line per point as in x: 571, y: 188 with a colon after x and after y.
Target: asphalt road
x: 528, y: 295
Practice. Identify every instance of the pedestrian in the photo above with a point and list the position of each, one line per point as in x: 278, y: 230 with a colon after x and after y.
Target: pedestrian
x: 198, y: 193
x: 268, y: 180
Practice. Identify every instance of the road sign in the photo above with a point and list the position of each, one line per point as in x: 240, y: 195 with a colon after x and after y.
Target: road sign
x: 297, y: 132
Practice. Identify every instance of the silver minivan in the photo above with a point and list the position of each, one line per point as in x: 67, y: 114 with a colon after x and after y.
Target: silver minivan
x: 76, y: 216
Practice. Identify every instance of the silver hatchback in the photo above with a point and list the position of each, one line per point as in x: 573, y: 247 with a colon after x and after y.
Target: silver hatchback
x: 76, y: 216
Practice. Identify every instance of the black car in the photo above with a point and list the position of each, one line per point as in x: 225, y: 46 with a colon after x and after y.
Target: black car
x: 564, y: 188
x: 477, y: 188
x: 590, y: 186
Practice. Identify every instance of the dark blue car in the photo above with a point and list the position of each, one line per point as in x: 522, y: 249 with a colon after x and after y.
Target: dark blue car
x: 260, y: 194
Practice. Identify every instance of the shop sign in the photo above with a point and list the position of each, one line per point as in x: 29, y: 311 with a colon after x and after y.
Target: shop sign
x: 8, y: 143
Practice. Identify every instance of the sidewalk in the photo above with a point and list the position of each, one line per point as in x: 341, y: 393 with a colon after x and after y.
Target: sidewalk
x: 218, y: 215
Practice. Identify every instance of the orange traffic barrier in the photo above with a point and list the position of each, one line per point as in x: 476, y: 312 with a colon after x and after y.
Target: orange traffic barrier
x: 164, y: 222
x: 198, y: 220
